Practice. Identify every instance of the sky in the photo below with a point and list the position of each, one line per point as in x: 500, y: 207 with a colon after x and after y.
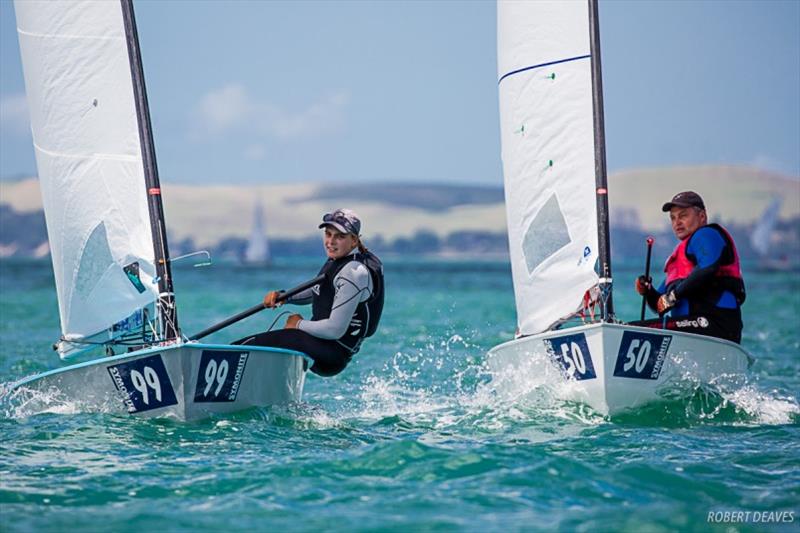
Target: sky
x: 252, y: 92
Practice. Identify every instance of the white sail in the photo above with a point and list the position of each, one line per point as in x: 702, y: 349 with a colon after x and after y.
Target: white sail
x: 546, y: 119
x: 88, y: 153
x: 762, y: 233
x: 257, y: 251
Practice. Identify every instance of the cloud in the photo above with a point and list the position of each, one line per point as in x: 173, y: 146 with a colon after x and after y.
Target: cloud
x: 14, y: 115
x: 319, y: 118
x: 224, y: 108
x: 231, y: 110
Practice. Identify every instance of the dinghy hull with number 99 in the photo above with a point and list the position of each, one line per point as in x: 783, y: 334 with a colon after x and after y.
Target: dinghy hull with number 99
x: 185, y: 382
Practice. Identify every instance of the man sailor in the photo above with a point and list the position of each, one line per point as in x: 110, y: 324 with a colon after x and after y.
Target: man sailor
x: 346, y: 306
x: 703, y: 289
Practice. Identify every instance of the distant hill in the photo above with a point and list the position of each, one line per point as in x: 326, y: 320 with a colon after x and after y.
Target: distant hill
x: 731, y: 193
x: 208, y: 214
x: 432, y: 198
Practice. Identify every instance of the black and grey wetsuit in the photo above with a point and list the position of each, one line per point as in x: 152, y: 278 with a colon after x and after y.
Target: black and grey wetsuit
x: 346, y: 308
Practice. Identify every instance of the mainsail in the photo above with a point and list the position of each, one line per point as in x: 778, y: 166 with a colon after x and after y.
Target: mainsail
x: 548, y: 150
x: 86, y: 133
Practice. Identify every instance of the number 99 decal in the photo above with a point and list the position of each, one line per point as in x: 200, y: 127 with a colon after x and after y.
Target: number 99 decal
x: 641, y: 355
x: 215, y: 375
x: 143, y: 384
x: 219, y: 376
x: 571, y: 354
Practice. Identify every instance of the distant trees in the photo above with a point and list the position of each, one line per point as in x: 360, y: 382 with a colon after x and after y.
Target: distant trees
x: 25, y: 235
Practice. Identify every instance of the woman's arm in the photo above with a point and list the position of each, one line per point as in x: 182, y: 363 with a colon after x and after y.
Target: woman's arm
x: 301, y: 298
x: 353, y: 285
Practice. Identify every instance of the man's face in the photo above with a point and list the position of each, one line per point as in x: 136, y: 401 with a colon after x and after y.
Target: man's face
x: 338, y: 244
x: 686, y: 220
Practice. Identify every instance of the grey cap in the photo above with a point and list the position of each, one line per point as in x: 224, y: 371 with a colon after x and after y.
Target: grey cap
x: 684, y: 199
x: 344, y: 220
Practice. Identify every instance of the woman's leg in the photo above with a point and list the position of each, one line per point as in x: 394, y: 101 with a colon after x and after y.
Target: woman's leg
x: 329, y: 357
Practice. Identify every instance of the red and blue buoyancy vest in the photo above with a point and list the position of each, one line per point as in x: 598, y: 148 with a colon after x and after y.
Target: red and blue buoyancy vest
x: 365, y: 320
x: 728, y: 276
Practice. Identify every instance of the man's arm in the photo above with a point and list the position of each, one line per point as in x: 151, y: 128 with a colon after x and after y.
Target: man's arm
x: 653, y: 295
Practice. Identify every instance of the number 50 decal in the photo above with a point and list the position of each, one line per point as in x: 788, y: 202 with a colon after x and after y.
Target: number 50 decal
x: 571, y: 354
x: 641, y: 355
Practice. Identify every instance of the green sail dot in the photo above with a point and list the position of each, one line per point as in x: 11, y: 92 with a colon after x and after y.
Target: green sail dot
x: 550, y: 163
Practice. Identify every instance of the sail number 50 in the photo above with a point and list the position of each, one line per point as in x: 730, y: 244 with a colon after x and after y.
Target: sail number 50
x: 144, y: 381
x: 573, y: 357
x: 637, y: 356
x: 571, y: 354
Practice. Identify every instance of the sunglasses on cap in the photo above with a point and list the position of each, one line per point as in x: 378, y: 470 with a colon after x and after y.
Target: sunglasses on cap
x: 340, y: 219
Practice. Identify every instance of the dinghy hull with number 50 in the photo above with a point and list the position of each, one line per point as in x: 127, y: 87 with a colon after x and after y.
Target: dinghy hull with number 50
x: 614, y: 368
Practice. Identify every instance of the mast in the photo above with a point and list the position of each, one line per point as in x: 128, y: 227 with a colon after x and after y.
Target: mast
x: 167, y: 312
x: 603, y: 239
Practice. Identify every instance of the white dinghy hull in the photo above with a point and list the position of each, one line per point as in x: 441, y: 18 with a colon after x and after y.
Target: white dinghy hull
x: 182, y: 381
x: 614, y: 368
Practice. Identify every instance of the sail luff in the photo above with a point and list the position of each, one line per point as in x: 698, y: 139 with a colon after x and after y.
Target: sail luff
x: 603, y: 233
x: 167, y: 310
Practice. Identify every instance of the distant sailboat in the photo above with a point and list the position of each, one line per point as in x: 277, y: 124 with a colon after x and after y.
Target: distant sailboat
x: 761, y: 238
x: 762, y: 233
x: 257, y: 251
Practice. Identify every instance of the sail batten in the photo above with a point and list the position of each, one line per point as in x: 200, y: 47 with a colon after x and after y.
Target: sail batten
x: 548, y: 153
x: 541, y: 65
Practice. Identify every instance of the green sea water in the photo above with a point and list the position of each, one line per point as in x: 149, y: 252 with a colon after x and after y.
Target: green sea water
x: 412, y: 436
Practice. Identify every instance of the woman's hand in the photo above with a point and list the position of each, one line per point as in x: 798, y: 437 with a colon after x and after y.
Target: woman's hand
x: 292, y: 321
x: 271, y: 300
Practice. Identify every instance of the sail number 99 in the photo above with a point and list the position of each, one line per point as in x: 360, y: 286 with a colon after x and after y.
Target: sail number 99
x: 219, y: 376
x: 145, y: 380
x: 143, y: 383
x: 215, y: 373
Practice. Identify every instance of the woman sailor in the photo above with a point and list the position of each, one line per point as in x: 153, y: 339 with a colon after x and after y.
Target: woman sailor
x: 346, y: 305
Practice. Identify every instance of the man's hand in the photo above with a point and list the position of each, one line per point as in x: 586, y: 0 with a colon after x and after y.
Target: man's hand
x: 643, y: 285
x: 666, y: 302
x: 292, y: 321
x: 271, y: 300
